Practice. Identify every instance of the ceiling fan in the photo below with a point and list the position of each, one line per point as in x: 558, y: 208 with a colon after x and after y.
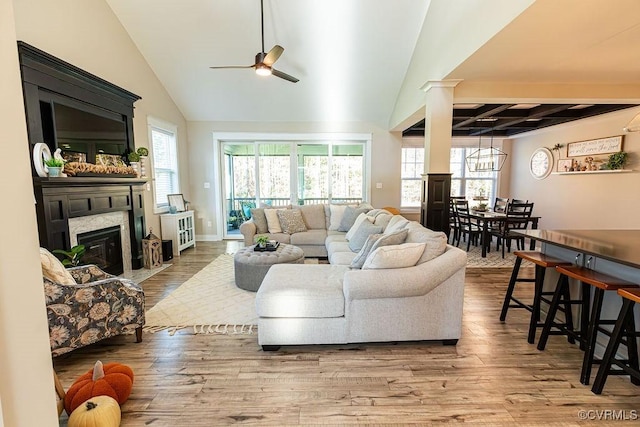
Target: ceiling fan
x: 264, y: 61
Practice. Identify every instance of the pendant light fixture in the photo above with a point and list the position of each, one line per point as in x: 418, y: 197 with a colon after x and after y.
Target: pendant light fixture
x: 489, y: 159
x: 634, y: 124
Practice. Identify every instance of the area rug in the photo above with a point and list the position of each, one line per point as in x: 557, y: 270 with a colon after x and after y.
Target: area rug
x: 207, y: 303
x: 493, y: 260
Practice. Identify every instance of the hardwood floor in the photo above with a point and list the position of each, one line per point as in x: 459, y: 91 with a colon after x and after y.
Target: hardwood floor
x: 493, y: 376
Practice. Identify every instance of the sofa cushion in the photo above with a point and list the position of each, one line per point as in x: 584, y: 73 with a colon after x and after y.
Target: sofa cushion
x: 342, y: 258
x: 318, y: 295
x: 396, y: 256
x: 309, y: 237
x: 53, y: 269
x: 313, y: 216
x: 336, y: 213
x: 260, y: 220
x: 436, y: 241
x: 334, y: 238
x: 335, y: 247
x: 383, y: 220
x: 374, y: 242
x: 349, y: 217
x: 273, y: 222
x: 280, y: 237
x: 397, y: 222
x: 362, y: 217
x: 362, y: 233
x: 291, y: 221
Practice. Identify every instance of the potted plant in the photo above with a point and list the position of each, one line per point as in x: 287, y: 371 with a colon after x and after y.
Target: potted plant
x: 143, y: 153
x: 134, y: 161
x: 54, y: 166
x: 73, y: 257
x: 262, y: 240
x: 616, y: 161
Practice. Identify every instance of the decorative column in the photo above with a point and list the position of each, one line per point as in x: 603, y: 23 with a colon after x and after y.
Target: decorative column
x: 436, y: 182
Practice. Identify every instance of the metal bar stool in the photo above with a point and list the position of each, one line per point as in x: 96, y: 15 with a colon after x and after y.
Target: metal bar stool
x: 542, y: 262
x: 625, y: 325
x: 601, y: 283
x: 562, y: 296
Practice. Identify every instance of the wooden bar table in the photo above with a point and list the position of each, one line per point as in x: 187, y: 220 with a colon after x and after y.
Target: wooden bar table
x: 612, y: 252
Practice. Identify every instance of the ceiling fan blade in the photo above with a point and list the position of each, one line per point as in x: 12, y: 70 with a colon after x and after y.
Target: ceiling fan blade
x: 232, y: 66
x: 273, y: 55
x: 284, y: 76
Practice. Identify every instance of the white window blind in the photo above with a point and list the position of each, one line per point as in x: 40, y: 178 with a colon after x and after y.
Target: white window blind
x: 165, y: 165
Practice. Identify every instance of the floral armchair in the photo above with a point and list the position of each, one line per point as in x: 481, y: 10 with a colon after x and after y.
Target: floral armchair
x: 97, y: 306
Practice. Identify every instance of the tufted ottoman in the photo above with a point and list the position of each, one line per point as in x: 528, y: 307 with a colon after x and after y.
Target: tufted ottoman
x: 251, y: 266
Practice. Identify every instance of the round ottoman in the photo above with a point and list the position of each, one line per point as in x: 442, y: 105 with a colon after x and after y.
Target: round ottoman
x: 251, y: 266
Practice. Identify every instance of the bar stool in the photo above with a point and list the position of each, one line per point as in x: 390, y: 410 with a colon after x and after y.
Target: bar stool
x: 601, y: 283
x: 625, y: 325
x: 562, y: 296
x: 542, y: 262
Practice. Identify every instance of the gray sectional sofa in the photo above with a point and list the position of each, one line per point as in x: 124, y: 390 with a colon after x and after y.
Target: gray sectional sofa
x: 337, y: 303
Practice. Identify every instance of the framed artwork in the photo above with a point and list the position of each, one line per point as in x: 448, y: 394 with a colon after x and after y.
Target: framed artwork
x: 594, y: 147
x: 177, y: 201
x: 564, y: 165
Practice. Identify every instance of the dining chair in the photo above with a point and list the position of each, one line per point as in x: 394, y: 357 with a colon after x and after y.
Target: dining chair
x: 518, y: 216
x: 454, y: 224
x: 500, y: 205
x: 468, y: 228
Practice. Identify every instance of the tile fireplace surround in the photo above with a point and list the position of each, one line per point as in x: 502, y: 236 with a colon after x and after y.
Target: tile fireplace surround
x: 98, y: 222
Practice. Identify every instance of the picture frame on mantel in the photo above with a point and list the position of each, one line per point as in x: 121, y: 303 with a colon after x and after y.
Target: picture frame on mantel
x: 593, y: 147
x: 176, y: 201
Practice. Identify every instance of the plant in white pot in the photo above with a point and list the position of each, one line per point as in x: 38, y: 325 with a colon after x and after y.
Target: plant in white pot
x: 54, y: 166
x: 143, y: 153
x: 134, y: 161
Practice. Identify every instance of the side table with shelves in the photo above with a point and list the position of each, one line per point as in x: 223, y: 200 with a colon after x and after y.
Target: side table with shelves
x: 179, y: 228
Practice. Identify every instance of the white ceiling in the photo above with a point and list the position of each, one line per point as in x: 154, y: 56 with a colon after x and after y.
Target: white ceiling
x: 351, y: 56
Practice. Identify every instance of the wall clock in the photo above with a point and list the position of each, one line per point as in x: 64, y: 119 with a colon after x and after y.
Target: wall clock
x: 541, y: 163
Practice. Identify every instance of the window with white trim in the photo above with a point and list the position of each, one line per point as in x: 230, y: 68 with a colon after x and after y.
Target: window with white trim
x: 165, y: 162
x: 411, y: 176
x: 478, y: 187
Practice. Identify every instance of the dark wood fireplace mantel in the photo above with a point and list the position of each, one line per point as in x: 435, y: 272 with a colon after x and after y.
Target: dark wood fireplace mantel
x: 58, y: 199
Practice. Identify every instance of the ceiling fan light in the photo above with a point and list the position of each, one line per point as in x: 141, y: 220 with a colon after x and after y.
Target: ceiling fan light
x: 263, y: 70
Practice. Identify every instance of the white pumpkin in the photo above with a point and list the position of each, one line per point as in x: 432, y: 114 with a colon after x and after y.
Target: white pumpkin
x: 99, y: 411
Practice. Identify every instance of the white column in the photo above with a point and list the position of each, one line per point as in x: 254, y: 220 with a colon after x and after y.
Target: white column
x: 437, y: 124
x: 26, y: 371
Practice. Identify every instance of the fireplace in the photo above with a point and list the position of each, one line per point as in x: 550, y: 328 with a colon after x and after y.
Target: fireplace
x: 104, y: 249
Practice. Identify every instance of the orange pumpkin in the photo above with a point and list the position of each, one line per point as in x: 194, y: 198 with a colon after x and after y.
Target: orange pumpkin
x: 113, y: 379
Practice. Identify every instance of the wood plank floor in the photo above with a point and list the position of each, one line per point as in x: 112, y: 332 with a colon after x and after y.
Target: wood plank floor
x: 492, y: 377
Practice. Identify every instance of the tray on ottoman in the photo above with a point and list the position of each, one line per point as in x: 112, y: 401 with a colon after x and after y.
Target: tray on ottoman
x: 268, y: 248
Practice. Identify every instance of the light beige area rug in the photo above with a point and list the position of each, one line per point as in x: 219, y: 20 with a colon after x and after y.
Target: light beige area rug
x: 494, y: 258
x: 208, y: 303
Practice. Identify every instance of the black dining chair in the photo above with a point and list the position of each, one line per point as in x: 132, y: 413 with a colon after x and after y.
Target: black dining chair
x: 454, y: 224
x: 469, y: 229
x: 500, y: 205
x: 518, y: 218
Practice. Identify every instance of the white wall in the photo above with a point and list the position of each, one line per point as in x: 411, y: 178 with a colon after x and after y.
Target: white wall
x: 587, y: 201
x: 385, y: 162
x: 26, y: 373
x: 88, y: 35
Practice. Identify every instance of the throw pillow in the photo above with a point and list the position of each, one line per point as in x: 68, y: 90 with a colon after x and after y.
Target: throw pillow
x: 356, y: 224
x: 396, y: 256
x: 383, y: 220
x: 336, y: 213
x: 291, y: 221
x: 374, y: 242
x: 397, y: 222
x: 362, y: 233
x: 436, y: 241
x: 53, y: 269
x: 349, y: 217
x: 260, y: 220
x: 273, y: 222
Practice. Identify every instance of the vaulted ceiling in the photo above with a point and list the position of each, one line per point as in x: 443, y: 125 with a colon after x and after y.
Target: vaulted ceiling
x: 353, y: 56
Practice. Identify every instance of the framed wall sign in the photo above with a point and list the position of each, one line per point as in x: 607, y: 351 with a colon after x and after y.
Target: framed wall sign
x: 612, y: 144
x: 564, y: 165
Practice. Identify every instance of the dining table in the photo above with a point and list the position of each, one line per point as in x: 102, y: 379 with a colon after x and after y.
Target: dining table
x: 486, y: 218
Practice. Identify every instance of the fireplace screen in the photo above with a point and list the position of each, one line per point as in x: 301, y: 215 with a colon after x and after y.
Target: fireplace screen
x: 104, y: 249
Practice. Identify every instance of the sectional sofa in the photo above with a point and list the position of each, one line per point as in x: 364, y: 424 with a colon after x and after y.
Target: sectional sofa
x: 410, y: 291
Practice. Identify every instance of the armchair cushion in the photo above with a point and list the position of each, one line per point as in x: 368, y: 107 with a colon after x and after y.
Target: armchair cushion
x: 53, y: 269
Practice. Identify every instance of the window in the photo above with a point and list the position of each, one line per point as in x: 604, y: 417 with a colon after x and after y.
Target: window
x: 165, y: 162
x: 478, y: 186
x: 411, y: 175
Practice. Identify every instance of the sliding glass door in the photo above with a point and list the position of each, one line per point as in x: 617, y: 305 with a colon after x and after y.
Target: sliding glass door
x: 278, y: 173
